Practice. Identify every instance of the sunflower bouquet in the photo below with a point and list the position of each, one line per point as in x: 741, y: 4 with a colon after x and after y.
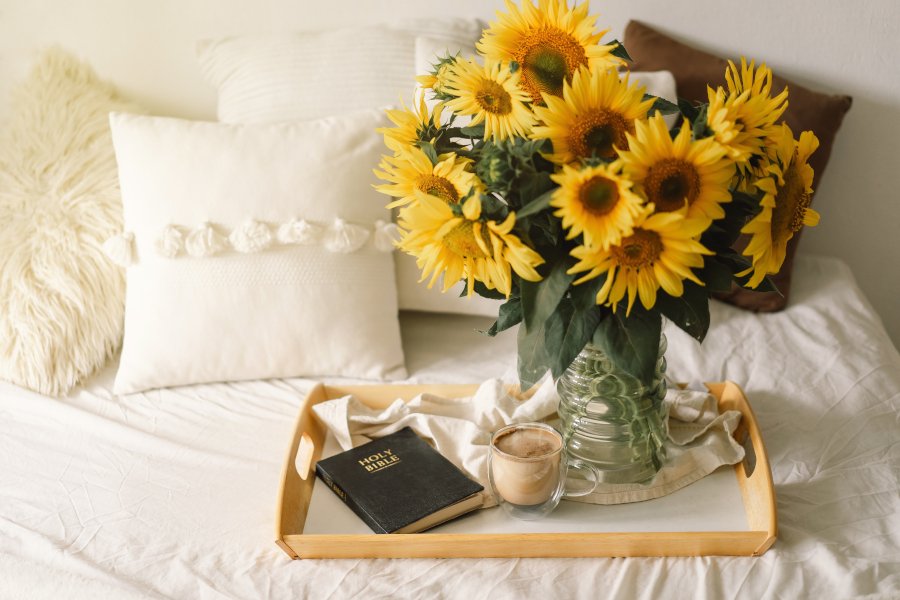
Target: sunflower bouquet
x: 541, y: 175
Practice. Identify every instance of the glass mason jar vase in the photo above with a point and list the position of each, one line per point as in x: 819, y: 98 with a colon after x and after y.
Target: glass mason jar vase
x: 610, y: 419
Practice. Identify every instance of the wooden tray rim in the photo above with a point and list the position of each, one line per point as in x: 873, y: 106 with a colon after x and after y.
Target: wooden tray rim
x: 756, y: 489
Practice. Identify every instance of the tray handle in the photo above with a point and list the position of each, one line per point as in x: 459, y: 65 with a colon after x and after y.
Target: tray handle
x: 304, y: 459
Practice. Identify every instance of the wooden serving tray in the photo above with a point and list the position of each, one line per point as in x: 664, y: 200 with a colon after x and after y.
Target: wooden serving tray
x: 754, y: 479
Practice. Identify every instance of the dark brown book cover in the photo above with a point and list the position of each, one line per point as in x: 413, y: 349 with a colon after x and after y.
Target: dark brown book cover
x: 399, y: 483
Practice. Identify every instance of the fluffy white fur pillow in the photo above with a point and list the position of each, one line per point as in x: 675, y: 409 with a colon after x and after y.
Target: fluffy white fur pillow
x: 61, y: 299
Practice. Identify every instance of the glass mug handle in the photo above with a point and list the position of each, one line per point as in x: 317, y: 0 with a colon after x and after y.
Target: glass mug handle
x: 580, y: 465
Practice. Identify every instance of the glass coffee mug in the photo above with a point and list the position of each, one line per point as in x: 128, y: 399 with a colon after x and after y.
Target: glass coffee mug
x: 528, y: 470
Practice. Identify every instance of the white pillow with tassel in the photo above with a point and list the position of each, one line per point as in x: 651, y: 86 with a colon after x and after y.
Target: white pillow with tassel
x: 255, y: 252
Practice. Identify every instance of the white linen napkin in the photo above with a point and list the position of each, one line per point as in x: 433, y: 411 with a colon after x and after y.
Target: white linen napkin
x: 700, y: 439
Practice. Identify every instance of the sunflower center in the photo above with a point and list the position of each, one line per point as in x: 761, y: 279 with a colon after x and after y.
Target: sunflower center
x: 671, y: 182
x: 640, y: 249
x: 438, y: 186
x: 461, y: 240
x: 597, y: 132
x: 599, y: 195
x: 791, y: 202
x: 548, y: 56
x: 492, y: 98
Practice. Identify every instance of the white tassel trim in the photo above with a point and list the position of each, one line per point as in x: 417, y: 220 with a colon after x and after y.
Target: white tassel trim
x: 299, y: 232
x: 120, y: 249
x: 170, y: 242
x: 386, y: 236
x: 205, y: 241
x: 343, y: 238
x: 250, y: 237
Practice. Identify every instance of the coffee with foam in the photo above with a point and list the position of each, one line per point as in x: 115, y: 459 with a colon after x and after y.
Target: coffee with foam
x: 526, y: 465
x: 528, y: 443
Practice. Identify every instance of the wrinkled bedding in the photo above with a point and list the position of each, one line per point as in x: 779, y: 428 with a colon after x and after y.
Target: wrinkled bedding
x: 171, y: 493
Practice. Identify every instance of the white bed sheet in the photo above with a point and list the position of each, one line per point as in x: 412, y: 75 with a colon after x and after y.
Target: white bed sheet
x: 171, y: 494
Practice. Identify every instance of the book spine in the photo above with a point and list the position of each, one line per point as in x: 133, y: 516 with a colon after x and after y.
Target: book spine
x: 356, y: 508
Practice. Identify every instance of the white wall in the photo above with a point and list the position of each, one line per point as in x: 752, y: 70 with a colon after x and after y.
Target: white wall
x: 838, y: 46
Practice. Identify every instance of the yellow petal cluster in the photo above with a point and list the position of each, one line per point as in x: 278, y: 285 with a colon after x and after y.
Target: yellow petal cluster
x: 411, y: 171
x: 660, y: 252
x: 593, y: 116
x: 678, y: 173
x: 549, y: 41
x: 595, y: 202
x: 744, y: 117
x: 631, y: 198
x: 785, y: 205
x: 465, y: 246
x: 489, y: 94
x: 411, y: 126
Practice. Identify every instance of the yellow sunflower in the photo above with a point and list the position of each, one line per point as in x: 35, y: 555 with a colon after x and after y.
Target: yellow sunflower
x: 660, y: 252
x: 411, y: 170
x: 436, y: 80
x: 465, y: 247
x: 490, y: 94
x: 549, y: 41
x: 596, y: 202
x: 593, y: 116
x: 785, y: 205
x: 411, y: 125
x: 679, y: 173
x: 744, y: 117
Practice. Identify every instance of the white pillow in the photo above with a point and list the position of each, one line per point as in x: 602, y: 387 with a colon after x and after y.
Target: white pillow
x: 309, y: 75
x: 300, y: 76
x: 258, y: 294
x: 661, y: 84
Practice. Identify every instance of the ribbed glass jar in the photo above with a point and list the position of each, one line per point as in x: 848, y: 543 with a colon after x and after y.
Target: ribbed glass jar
x: 610, y: 419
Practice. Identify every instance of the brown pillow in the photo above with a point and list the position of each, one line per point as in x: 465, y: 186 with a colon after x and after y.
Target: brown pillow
x: 807, y: 110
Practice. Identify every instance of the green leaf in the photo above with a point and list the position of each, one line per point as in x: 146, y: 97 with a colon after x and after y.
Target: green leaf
x: 535, y: 206
x: 738, y: 263
x: 532, y: 185
x: 568, y: 330
x: 700, y: 128
x: 715, y: 274
x: 688, y: 109
x: 690, y: 311
x: 544, y: 230
x: 723, y: 233
x: 492, y: 208
x: 509, y: 315
x: 484, y: 291
x: 766, y: 285
x: 662, y: 105
x: 555, y: 331
x: 473, y: 131
x: 533, y: 361
x: 540, y: 298
x: 430, y: 152
x: 453, y: 132
x: 632, y: 343
x: 734, y: 261
x: 584, y: 295
x: 620, y: 52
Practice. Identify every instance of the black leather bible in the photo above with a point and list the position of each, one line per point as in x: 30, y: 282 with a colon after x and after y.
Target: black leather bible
x: 400, y: 484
